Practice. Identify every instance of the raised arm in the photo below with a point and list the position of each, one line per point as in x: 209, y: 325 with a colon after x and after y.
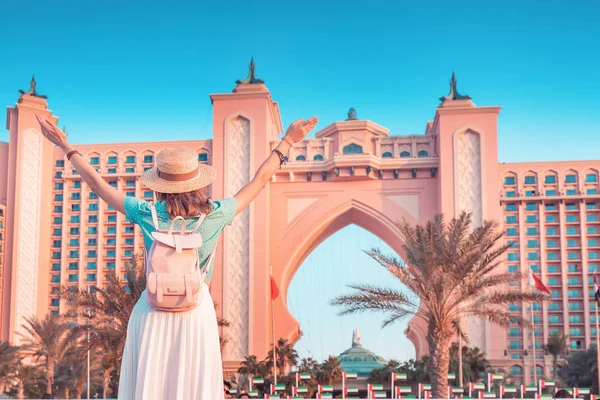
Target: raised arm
x: 296, y: 132
x: 110, y: 195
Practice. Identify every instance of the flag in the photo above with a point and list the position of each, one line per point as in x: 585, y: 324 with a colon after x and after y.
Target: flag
x: 300, y: 389
x: 274, y: 289
x: 508, y: 389
x: 596, y: 290
x: 537, y: 282
x: 350, y: 375
x: 397, y: 376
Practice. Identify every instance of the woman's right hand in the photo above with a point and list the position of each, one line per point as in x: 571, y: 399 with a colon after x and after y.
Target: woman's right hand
x: 299, y: 129
x: 52, y: 132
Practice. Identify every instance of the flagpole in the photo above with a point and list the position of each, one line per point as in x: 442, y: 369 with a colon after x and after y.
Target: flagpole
x: 532, y: 333
x: 273, y: 328
x: 460, y: 365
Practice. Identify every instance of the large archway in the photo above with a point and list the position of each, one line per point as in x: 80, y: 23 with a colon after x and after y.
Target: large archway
x: 377, y: 213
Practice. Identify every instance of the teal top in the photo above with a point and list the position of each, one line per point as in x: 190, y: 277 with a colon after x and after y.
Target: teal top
x: 138, y: 212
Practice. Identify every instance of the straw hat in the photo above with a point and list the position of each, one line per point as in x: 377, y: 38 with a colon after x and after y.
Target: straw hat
x: 177, y: 171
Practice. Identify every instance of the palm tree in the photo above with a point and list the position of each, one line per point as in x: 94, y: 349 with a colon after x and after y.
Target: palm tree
x: 581, y: 369
x: 286, y: 355
x: 250, y: 367
x: 416, y: 370
x: 451, y: 268
x: 557, y: 346
x: 71, y: 372
x: 474, y: 362
x: 9, y: 362
x: 47, y: 340
x: 31, y: 381
x: 308, y: 365
x: 332, y: 370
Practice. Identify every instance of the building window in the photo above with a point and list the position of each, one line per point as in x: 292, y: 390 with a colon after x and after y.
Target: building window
x: 553, y: 268
x: 512, y: 257
x: 514, y: 332
x: 110, y: 265
x: 147, y: 194
x: 591, y: 217
x: 551, y: 244
x: 92, y: 230
x: 532, y: 256
x: 129, y: 229
x: 593, y: 255
x: 511, y: 207
x: 91, y: 265
x: 511, y: 193
x: 128, y: 253
x: 74, y: 219
x: 530, y: 180
x: 572, y: 243
x: 92, y: 254
x: 129, y: 241
x: 570, y: 206
x: 513, y: 268
x: 352, y: 149
x: 148, y: 159
x: 387, y: 154
x: 55, y: 278
x: 129, y: 183
x: 76, y: 196
x: 74, y: 231
x: 90, y: 277
x: 592, y: 242
x: 573, y: 255
x: 551, y: 218
x: 591, y: 178
x: 532, y: 244
x: 94, y: 160
x: 570, y: 179
x: 571, y: 192
x: 531, y: 207
x: 130, y: 160
x: 571, y: 231
x: 553, y: 307
x: 532, y: 231
x: 574, y: 281
x: 514, y: 345
x: 554, y: 319
x: 405, y: 154
x: 591, y: 191
x: 318, y: 157
x: 93, y: 207
x: 203, y: 157
x: 511, y: 219
x: 549, y: 179
x: 592, y: 230
x: 511, y: 232
x: 110, y: 253
x: 423, y: 153
x: 73, y: 277
x: 92, y: 242
x: 93, y: 196
x: 112, y: 160
x: 531, y: 219
x: 129, y: 170
x: 509, y: 180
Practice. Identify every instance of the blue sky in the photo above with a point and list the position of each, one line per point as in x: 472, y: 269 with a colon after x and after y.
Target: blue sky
x: 142, y: 71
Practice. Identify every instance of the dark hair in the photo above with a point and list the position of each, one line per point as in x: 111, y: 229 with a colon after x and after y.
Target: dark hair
x: 563, y: 394
x: 227, y: 384
x: 188, y: 204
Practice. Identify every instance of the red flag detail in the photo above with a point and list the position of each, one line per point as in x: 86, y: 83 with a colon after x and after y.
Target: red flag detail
x: 274, y: 289
x: 539, y: 285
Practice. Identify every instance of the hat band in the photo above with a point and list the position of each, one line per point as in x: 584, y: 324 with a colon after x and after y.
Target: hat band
x: 176, y: 177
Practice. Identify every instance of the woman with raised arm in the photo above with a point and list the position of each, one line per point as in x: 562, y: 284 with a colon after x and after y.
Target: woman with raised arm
x: 176, y: 355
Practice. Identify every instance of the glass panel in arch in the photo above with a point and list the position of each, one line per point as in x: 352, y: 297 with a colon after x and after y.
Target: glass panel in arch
x: 353, y: 149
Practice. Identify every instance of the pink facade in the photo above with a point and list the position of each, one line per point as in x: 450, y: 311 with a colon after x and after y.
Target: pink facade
x: 56, y: 232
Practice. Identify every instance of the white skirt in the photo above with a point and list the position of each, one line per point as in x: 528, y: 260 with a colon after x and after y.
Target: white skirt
x: 172, y: 355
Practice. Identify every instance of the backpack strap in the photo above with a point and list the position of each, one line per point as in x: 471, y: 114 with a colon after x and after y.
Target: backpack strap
x: 198, y: 223
x: 209, y: 260
x: 154, y: 216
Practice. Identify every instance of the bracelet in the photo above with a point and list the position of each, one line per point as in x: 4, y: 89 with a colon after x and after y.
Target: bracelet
x: 287, y: 141
x: 71, y: 154
x: 281, y: 157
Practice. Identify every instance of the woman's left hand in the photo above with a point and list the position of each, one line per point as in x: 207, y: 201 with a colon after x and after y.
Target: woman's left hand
x: 52, y: 132
x: 299, y: 129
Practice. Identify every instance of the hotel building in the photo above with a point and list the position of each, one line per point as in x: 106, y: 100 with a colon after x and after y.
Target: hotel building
x: 54, y: 230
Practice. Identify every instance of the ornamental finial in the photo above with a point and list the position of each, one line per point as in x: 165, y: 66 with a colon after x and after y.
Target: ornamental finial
x: 454, y: 95
x: 32, y: 91
x: 251, y: 78
x: 351, y: 114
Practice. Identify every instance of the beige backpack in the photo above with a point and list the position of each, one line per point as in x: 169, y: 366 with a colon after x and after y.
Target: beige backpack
x: 173, y: 276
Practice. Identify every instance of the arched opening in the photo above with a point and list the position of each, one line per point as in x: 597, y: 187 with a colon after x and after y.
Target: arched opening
x: 339, y: 261
x: 353, y: 149
x: 405, y: 154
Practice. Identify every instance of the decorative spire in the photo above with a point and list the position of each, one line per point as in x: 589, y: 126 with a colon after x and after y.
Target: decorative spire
x: 351, y: 114
x: 32, y: 91
x: 454, y: 95
x: 356, y: 338
x: 251, y: 78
